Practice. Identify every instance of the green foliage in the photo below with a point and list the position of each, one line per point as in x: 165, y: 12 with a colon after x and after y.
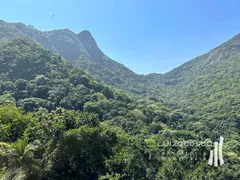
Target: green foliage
x: 7, y: 100
x: 80, y: 154
x: 19, y: 162
x: 67, y: 125
x: 12, y: 123
x: 48, y: 82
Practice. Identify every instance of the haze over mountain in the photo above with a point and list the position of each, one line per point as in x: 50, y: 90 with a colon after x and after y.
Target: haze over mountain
x: 81, y: 49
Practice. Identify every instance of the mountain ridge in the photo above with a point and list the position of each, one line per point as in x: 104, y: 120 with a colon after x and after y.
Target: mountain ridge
x: 68, y: 44
x: 82, y: 50
x: 91, y: 38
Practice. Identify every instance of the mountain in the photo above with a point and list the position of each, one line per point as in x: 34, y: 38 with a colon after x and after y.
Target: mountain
x: 196, y: 79
x: 34, y: 77
x: 214, y: 75
x: 58, y: 122
x: 67, y: 125
x: 203, y: 82
x: 207, y: 87
x: 80, y: 49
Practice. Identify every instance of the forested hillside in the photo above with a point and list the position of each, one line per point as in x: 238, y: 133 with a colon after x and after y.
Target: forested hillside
x: 80, y: 49
x: 203, y: 69
x: 208, y: 84
x: 57, y: 121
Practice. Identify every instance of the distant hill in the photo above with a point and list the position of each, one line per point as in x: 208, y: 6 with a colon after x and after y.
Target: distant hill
x: 80, y: 49
x: 209, y: 78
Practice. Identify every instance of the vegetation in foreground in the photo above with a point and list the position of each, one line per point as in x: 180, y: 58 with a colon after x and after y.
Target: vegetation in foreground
x: 58, y: 122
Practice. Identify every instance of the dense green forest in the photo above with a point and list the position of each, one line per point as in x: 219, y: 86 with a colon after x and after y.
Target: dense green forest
x: 62, y: 121
x: 80, y: 49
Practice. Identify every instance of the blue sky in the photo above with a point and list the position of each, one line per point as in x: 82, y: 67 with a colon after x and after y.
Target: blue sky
x: 145, y: 35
